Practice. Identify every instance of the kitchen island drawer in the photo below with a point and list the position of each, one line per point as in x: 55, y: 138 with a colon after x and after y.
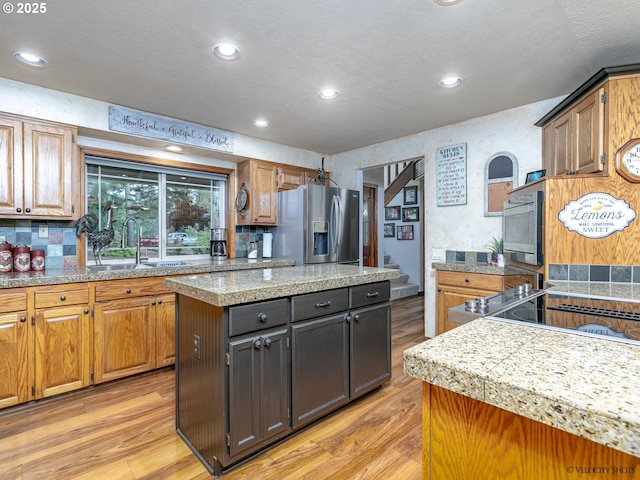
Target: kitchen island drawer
x: 59, y: 295
x: 363, y: 295
x: 137, y: 287
x: 258, y: 316
x: 319, y: 304
x: 470, y: 280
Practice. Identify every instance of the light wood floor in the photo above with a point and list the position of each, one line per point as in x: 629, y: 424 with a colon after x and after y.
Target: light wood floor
x: 126, y: 430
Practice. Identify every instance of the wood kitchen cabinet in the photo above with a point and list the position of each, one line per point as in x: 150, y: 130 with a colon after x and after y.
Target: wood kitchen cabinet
x: 260, y: 179
x: 573, y: 142
x: 16, y: 356
x: 39, y: 165
x: 62, y: 339
x: 127, y: 315
x: 291, y: 177
x: 454, y: 288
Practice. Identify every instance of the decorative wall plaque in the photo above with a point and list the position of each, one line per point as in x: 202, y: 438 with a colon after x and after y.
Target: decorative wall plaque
x: 451, y: 175
x: 597, y: 215
x: 149, y: 125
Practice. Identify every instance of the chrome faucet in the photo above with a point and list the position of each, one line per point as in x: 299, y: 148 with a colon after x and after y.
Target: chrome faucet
x: 138, y: 231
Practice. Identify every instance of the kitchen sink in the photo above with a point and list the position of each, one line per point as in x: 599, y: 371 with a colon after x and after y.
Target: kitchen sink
x: 118, y: 267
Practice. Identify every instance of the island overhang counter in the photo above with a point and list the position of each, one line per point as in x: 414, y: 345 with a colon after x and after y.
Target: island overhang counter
x: 262, y: 354
x: 510, y: 401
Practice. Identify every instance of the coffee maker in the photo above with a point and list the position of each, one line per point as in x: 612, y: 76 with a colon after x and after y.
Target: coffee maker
x: 218, y: 248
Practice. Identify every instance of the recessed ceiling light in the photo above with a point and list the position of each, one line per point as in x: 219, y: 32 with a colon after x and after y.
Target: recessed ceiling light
x: 328, y: 94
x: 29, y: 59
x: 173, y: 148
x: 226, y: 51
x: 450, y: 82
x: 260, y: 122
x: 446, y: 3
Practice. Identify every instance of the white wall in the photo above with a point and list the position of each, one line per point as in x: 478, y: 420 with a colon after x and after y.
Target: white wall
x: 462, y: 227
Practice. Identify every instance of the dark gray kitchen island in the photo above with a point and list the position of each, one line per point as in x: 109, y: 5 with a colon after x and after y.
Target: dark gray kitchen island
x: 261, y: 354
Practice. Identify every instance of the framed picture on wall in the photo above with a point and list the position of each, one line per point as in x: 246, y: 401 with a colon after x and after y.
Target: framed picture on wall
x: 405, y: 232
x: 392, y: 213
x: 389, y: 229
x: 411, y: 214
x: 410, y: 195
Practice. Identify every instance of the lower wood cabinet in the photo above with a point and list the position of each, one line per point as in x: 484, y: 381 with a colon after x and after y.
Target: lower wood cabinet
x: 16, y: 352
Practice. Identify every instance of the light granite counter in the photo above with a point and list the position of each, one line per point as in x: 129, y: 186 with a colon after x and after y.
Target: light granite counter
x: 586, y: 386
x: 607, y: 290
x: 233, y: 288
x: 479, y: 268
x: 83, y: 274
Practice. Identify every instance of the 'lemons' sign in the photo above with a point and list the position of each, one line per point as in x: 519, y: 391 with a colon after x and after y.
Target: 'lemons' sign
x: 597, y: 215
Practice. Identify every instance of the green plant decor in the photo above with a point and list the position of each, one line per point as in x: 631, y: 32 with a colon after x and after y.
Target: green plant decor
x: 496, y: 245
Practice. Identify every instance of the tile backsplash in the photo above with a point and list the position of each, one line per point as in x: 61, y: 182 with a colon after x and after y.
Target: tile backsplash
x: 595, y: 273
x: 60, y: 242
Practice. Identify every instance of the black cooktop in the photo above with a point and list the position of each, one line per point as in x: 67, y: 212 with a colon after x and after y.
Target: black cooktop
x: 609, y: 318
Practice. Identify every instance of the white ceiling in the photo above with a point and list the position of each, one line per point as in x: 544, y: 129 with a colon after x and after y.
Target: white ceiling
x: 384, y: 56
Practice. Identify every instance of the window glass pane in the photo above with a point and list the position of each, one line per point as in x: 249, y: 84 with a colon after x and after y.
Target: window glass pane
x: 500, y: 167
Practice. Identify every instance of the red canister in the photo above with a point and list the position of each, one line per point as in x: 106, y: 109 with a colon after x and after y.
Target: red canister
x: 6, y: 257
x: 37, y: 260
x: 21, y: 258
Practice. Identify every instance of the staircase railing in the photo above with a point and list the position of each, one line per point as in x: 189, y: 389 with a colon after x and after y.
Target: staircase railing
x: 397, y: 179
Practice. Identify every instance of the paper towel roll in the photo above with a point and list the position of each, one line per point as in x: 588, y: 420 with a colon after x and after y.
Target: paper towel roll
x: 267, y: 244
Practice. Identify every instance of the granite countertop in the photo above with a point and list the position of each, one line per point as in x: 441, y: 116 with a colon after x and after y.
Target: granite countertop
x: 479, y: 268
x: 233, y: 288
x: 582, y: 385
x: 608, y: 290
x: 83, y: 274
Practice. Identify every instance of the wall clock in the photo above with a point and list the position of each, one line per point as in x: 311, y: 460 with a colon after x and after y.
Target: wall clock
x: 628, y: 160
x: 241, y: 198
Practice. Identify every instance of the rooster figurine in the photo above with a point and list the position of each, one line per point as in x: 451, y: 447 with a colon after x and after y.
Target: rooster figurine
x: 97, y: 239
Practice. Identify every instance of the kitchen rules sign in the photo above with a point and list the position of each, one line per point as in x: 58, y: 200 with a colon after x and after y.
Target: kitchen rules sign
x: 451, y: 175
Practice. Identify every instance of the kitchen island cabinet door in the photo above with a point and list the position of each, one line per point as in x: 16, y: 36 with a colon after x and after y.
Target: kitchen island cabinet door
x: 320, y: 367
x: 124, y: 338
x: 370, y: 344
x: 62, y: 350
x: 15, y: 360
x: 258, y: 391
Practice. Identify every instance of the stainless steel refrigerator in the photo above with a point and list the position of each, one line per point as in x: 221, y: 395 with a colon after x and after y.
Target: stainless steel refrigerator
x: 318, y: 224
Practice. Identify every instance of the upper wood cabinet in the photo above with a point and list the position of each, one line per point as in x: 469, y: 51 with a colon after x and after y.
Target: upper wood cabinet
x: 260, y: 179
x: 573, y: 142
x: 38, y: 167
x: 291, y: 177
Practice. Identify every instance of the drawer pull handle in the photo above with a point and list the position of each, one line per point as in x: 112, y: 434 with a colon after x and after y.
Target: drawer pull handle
x: 128, y: 290
x: 262, y: 317
x: 23, y: 319
x: 323, y: 304
x: 372, y: 294
x: 62, y: 298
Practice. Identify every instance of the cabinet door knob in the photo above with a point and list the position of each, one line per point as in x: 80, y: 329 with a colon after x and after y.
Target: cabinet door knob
x: 128, y: 290
x: 28, y: 210
x: 257, y: 344
x: 262, y: 317
x: 439, y: 289
x: 19, y: 210
x: 86, y: 310
x: 62, y: 298
x: 153, y: 302
x: 467, y: 280
x: 323, y: 304
x: 356, y: 317
x: 267, y: 342
x: 159, y: 302
x: 23, y: 319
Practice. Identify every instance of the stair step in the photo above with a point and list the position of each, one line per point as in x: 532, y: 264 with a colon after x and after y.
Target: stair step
x: 392, y: 265
x: 405, y: 290
x: 401, y: 280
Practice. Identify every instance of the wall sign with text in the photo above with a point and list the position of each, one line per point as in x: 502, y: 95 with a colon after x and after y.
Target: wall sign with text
x: 451, y: 175
x: 144, y: 124
x: 597, y: 215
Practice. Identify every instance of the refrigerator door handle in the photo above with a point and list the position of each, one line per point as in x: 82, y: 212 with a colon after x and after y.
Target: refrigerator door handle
x: 334, y: 222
